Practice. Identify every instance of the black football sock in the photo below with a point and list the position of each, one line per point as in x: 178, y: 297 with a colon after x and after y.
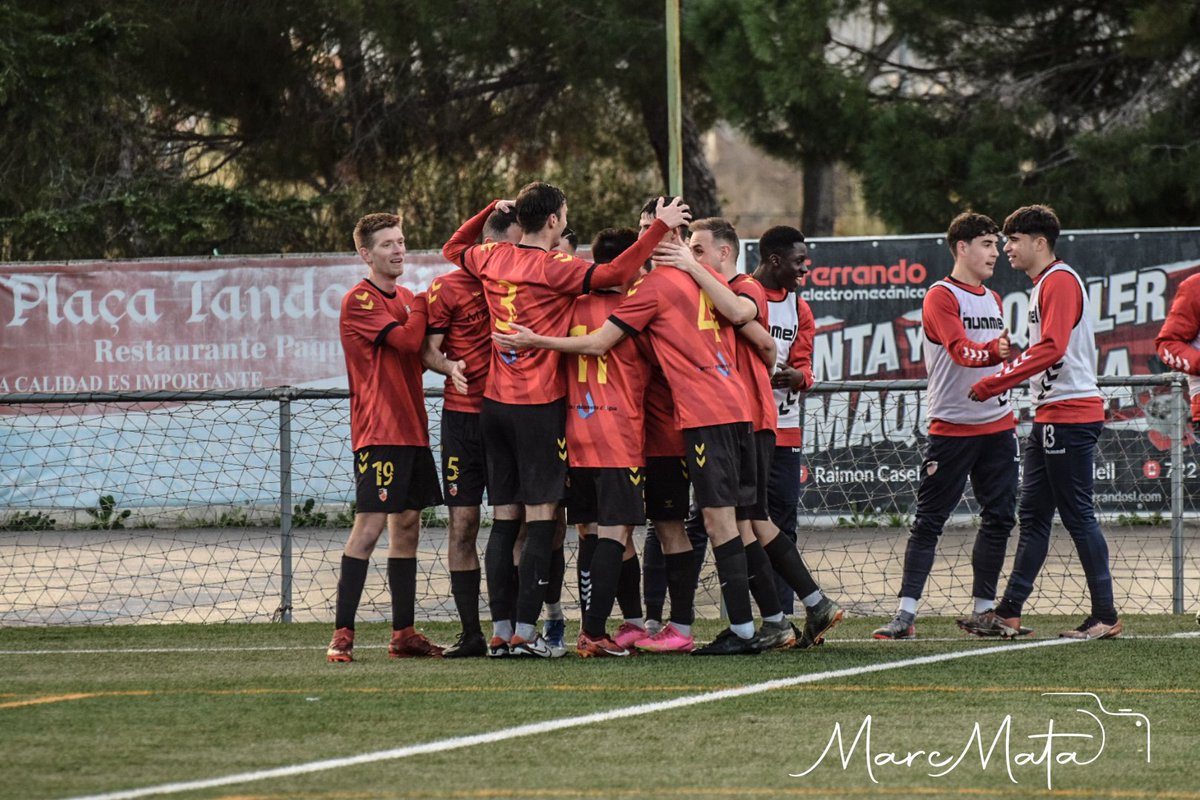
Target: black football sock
x: 762, y: 580
x: 606, y: 573
x: 464, y: 585
x: 629, y: 588
x: 534, y: 572
x: 402, y: 580
x: 681, y: 586
x: 502, y: 589
x: 735, y: 585
x: 786, y: 560
x: 583, y: 571
x: 349, y: 590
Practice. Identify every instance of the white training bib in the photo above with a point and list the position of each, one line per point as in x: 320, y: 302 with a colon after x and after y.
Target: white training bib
x: 949, y: 381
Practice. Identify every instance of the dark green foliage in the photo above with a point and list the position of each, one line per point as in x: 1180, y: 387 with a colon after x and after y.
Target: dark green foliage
x: 303, y: 516
x: 106, y: 516
x: 1088, y: 106
x: 135, y: 128
x: 27, y: 521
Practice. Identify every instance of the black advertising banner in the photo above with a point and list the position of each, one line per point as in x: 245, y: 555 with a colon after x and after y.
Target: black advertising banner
x: 863, y: 448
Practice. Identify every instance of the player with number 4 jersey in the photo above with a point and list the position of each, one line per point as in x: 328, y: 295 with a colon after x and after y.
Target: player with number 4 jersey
x: 695, y: 350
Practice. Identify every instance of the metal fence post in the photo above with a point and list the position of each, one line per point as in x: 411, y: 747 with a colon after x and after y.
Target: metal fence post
x: 284, y: 612
x: 1179, y: 417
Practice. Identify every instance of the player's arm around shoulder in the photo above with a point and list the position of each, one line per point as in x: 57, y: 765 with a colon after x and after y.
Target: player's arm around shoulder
x: 463, y: 241
x: 762, y: 341
x: 596, y: 343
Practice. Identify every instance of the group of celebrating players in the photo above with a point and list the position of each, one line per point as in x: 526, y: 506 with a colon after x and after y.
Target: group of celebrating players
x: 659, y: 384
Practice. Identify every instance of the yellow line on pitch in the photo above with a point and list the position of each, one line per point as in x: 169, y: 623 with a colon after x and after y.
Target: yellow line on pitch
x: 63, y: 698
x: 573, y: 688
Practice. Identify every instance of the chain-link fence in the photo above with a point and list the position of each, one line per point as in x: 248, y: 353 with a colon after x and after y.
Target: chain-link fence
x: 234, y: 506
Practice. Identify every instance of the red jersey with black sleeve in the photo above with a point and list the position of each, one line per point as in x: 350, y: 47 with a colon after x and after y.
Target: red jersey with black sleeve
x: 1178, y: 342
x: 382, y: 335
x: 604, y: 394
x: 458, y: 311
x: 695, y: 347
x: 1061, y: 359
x: 755, y: 375
x: 535, y: 288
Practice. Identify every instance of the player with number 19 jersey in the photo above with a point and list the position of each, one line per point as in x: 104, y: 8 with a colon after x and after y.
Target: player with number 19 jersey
x: 378, y: 414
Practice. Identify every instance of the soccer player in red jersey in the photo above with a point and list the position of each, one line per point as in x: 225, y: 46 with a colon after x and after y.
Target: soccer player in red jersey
x: 1069, y: 418
x: 741, y: 299
x: 524, y: 414
x: 606, y: 440
x: 459, y: 329
x: 695, y: 349
x: 382, y: 328
x: 673, y: 562
x: 964, y: 341
x: 1178, y: 343
x: 783, y: 260
x: 607, y: 245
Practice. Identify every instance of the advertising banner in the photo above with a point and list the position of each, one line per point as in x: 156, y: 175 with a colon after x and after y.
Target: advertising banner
x: 180, y: 325
x: 259, y: 322
x: 862, y: 448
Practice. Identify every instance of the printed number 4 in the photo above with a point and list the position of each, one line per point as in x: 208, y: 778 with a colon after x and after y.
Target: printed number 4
x: 705, y: 319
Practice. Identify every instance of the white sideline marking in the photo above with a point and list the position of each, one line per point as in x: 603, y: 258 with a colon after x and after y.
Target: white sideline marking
x: 535, y: 728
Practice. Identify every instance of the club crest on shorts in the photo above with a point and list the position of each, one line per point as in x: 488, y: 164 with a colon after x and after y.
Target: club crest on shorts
x: 931, y: 467
x: 383, y: 494
x: 454, y: 490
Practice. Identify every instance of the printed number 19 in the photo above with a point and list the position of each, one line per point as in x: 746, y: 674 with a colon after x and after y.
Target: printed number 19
x: 384, y: 472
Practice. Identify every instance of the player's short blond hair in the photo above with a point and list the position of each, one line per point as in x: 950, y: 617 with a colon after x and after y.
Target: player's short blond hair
x: 367, y: 226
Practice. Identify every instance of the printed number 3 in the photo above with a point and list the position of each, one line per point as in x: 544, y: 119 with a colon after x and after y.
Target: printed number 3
x: 509, y: 303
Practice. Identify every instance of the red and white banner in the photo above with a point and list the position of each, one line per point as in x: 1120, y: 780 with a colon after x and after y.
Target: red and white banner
x: 180, y: 325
